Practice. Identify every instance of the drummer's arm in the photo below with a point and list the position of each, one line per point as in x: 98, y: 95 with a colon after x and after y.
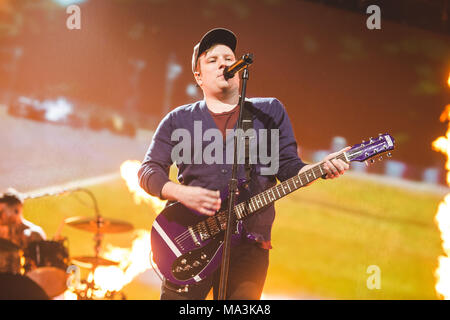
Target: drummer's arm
x: 35, y: 234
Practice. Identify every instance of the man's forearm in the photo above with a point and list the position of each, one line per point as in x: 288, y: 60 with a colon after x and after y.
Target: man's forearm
x: 171, y: 191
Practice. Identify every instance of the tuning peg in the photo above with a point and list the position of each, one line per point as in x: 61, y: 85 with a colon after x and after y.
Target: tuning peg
x: 380, y: 158
x: 389, y: 154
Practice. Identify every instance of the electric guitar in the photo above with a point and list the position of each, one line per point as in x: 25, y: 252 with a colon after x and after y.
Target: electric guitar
x: 187, y: 246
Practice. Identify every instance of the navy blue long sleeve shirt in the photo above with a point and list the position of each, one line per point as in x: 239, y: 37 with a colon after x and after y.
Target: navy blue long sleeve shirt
x: 268, y: 114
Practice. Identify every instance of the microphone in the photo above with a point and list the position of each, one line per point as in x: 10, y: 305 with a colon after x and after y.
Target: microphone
x: 242, y: 63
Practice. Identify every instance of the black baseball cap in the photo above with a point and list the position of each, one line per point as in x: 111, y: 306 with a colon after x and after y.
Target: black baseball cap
x: 214, y: 36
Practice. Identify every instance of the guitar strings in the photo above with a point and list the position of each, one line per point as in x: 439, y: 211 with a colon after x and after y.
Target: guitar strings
x: 252, y: 201
x: 181, y: 238
x: 186, y: 234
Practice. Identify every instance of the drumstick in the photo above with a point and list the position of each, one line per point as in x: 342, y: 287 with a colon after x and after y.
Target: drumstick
x: 57, y: 235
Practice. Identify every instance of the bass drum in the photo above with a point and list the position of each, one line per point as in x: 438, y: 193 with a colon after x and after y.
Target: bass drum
x: 46, y: 263
x: 19, y: 287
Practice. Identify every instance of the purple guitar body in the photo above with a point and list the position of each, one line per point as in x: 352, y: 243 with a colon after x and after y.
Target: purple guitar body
x: 187, y: 246
x: 175, y: 237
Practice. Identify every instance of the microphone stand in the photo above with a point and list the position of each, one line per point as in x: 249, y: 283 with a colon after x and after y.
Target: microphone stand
x: 232, y: 192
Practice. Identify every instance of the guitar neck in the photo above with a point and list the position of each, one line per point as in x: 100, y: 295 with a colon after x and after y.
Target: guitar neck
x: 218, y: 222
x: 282, y: 189
x: 359, y: 152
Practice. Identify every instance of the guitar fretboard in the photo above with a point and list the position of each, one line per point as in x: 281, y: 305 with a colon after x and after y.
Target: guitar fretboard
x: 218, y: 222
x: 282, y: 189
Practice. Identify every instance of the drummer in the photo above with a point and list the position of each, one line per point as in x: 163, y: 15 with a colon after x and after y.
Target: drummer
x: 13, y: 225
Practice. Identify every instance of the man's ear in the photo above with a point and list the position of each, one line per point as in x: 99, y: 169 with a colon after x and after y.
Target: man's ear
x: 198, y: 78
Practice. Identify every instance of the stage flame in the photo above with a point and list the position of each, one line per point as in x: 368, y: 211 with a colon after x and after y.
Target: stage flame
x: 110, y: 279
x: 129, y: 171
x: 106, y: 281
x: 442, y: 218
x: 132, y: 262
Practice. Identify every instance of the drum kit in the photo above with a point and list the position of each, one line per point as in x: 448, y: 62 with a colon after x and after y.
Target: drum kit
x: 47, y: 262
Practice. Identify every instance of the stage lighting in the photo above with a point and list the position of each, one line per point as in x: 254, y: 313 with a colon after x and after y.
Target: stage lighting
x: 66, y: 3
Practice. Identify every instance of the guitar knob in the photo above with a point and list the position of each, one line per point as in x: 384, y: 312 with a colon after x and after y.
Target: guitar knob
x: 183, y: 261
x: 203, y: 256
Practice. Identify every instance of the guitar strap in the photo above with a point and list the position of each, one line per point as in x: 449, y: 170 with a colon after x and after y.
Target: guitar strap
x: 247, y: 123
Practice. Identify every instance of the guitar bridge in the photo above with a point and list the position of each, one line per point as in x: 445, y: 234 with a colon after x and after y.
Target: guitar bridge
x: 203, y: 231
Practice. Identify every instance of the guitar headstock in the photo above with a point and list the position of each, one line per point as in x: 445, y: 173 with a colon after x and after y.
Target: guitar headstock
x: 369, y: 149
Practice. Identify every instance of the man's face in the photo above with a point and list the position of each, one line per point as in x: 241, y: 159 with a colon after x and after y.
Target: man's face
x: 210, y: 73
x: 11, y: 214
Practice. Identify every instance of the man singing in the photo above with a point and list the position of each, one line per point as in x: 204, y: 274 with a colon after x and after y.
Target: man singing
x: 201, y: 180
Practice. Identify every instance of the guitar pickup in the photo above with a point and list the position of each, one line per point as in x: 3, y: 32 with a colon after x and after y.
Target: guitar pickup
x: 194, y: 237
x: 203, y: 231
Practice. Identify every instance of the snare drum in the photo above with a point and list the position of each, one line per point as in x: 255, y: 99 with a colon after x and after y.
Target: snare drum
x: 46, y: 263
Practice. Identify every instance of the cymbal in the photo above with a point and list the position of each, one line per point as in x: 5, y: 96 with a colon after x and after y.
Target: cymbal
x: 89, y: 261
x: 6, y: 245
x: 100, y: 225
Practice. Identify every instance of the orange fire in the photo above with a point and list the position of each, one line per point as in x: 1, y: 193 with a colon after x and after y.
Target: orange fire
x: 132, y: 262
x: 129, y: 170
x: 442, y: 218
x: 109, y: 279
